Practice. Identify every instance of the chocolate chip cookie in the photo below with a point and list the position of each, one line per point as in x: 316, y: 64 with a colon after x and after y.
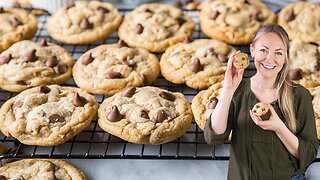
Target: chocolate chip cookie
x: 301, y: 20
x: 204, y: 103
x: 304, y: 63
x: 235, y: 21
x: 260, y: 109
x: 155, y: 27
x: 27, y: 64
x: 84, y: 22
x: 315, y: 92
x: 107, y: 69
x: 147, y: 115
x: 198, y: 64
x: 47, y: 115
x: 40, y: 169
x: 241, y: 60
x: 16, y: 25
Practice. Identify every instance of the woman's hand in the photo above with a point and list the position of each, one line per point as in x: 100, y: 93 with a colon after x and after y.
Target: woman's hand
x: 233, y: 76
x: 273, y: 124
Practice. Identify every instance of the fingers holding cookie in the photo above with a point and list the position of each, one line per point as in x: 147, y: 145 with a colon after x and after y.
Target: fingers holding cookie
x: 241, y: 61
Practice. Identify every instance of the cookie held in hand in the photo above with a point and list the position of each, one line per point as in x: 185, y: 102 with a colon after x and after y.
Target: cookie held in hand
x: 262, y: 110
x: 241, y: 60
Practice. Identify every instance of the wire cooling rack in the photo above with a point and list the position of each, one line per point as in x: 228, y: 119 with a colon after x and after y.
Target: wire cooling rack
x: 94, y: 143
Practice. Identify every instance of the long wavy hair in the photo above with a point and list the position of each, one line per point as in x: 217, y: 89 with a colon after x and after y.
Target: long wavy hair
x: 284, y: 85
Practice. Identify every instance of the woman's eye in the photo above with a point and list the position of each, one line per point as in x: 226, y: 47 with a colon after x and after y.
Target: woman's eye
x: 279, y: 53
x: 263, y: 50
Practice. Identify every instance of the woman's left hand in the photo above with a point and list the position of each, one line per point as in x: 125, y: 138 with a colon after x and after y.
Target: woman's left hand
x: 273, y: 124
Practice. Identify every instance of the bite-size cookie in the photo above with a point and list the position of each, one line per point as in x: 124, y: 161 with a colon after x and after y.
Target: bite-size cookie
x: 108, y: 69
x: 155, y: 27
x: 304, y: 63
x: 204, y: 103
x: 27, y: 64
x: 84, y: 22
x: 301, y: 20
x: 40, y: 169
x: 241, y: 60
x: 260, y: 109
x: 315, y: 92
x: 235, y: 21
x: 147, y: 115
x: 16, y: 25
x: 198, y: 64
x: 47, y: 115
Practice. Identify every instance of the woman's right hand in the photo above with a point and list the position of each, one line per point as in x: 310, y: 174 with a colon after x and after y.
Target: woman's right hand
x: 233, y: 76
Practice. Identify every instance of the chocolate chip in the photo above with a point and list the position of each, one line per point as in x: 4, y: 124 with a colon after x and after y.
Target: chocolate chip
x: 1, y: 10
x: 103, y: 10
x: 213, y: 103
x: 246, y: 2
x: 180, y: 20
x: 30, y: 56
x: 121, y: 43
x: 113, y: 75
x: 44, y: 89
x: 144, y: 114
x: 145, y: 79
x: 71, y: 5
x: 17, y: 104
x: 214, y: 15
x: 114, y: 115
x: 289, y: 16
x: 42, y: 113
x: 258, y: 106
x: 210, y: 52
x: 62, y: 68
x: 129, y: 63
x: 87, y: 59
x: 85, y: 24
x: 55, y: 118
x: 222, y: 58
x: 187, y: 40
x: 254, y: 111
x: 295, y: 74
x: 263, y: 109
x: 161, y: 116
x: 79, y: 101
x: 52, y: 61
x: 23, y: 83
x: 196, y: 66
x: 3, y: 177
x: 129, y: 92
x: 5, y: 59
x: 50, y: 175
x: 168, y: 96
x: 256, y: 16
x: 178, y: 4
x: 43, y: 42
x: 139, y: 29
x: 16, y: 22
x: 6, y: 161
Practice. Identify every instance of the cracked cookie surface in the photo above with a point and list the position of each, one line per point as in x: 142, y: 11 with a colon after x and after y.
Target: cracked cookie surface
x: 147, y: 115
x: 47, y: 115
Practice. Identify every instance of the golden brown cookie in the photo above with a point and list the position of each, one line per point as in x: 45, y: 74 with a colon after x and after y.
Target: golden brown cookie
x: 198, y: 64
x: 40, y: 169
x: 16, y: 25
x: 260, y: 109
x: 241, y: 60
x: 234, y: 21
x: 108, y: 69
x: 155, y: 27
x: 47, y: 115
x: 301, y: 21
x: 27, y: 64
x: 147, y: 115
x: 84, y: 22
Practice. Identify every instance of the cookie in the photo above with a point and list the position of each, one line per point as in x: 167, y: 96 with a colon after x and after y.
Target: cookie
x: 315, y: 92
x: 108, y: 69
x: 261, y: 109
x: 155, y: 27
x: 198, y: 64
x: 241, y: 60
x: 235, y: 21
x: 47, y: 115
x: 40, y: 169
x: 147, y: 115
x: 204, y: 103
x: 16, y: 25
x: 84, y: 22
x: 27, y: 64
x: 304, y: 63
x: 301, y: 21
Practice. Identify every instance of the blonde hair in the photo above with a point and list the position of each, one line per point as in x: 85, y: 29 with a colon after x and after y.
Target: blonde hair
x: 284, y: 85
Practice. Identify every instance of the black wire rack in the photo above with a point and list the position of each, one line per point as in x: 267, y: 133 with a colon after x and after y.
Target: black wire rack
x: 94, y: 143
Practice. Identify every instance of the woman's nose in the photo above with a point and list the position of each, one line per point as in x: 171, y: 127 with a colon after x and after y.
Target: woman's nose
x: 270, y: 57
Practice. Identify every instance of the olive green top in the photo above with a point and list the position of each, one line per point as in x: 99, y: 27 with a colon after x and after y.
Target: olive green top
x: 257, y: 153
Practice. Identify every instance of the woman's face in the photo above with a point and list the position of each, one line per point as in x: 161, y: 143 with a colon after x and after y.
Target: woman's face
x: 269, y: 54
